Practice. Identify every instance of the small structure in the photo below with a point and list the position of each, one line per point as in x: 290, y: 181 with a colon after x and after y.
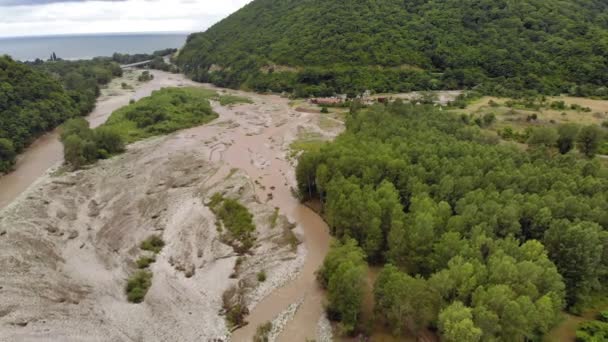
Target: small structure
x: 326, y: 101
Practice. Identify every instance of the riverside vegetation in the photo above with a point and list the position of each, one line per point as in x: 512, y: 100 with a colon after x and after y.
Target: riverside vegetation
x: 38, y: 96
x: 479, y: 240
x: 166, y: 111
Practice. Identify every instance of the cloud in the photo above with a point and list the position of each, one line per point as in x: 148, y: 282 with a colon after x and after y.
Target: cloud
x: 48, y: 17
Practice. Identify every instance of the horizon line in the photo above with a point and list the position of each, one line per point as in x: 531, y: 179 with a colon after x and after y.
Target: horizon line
x: 99, y: 34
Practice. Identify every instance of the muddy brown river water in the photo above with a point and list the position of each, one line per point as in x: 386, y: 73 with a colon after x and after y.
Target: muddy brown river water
x: 260, y: 148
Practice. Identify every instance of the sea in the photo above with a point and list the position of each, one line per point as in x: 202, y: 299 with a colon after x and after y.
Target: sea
x: 72, y: 47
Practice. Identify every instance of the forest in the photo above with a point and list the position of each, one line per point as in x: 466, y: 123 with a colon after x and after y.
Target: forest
x: 476, y: 239
x: 321, y: 47
x: 37, y: 97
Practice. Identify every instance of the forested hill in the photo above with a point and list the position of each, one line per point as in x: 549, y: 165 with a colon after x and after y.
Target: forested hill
x: 325, y: 46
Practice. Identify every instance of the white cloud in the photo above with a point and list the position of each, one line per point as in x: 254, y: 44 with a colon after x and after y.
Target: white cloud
x: 74, y: 17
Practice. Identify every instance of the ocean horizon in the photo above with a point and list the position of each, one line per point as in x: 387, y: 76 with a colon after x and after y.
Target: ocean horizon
x: 87, y: 46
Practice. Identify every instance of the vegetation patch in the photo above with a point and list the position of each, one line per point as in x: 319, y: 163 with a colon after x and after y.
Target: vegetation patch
x: 237, y: 221
x: 165, y: 111
x: 343, y: 275
x: 234, y: 307
x: 36, y: 97
x: 262, y: 333
x: 231, y: 100
x: 594, y: 331
x: 145, y: 261
x: 145, y: 76
x: 274, y: 218
x: 153, y: 244
x: 138, y: 285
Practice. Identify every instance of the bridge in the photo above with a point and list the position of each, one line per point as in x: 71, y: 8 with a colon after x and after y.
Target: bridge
x: 127, y: 66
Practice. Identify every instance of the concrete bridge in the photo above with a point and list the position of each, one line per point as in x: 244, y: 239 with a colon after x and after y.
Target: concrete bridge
x: 127, y: 66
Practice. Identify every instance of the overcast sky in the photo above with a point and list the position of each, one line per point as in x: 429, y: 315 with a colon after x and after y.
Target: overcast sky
x: 48, y: 17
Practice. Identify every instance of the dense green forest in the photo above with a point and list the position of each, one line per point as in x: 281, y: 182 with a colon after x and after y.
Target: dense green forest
x: 35, y: 98
x: 480, y: 240
x: 320, y: 47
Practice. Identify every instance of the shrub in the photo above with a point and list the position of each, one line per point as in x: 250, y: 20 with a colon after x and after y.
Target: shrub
x: 145, y: 77
x: 145, y: 261
x: 262, y: 332
x: 592, y: 332
x: 138, y: 285
x: 153, y: 244
x: 236, y: 219
x: 324, y: 110
x: 228, y: 100
x: 262, y: 276
x: 604, y: 316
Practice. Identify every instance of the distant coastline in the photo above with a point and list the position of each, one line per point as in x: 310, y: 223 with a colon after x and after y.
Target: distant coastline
x: 87, y: 46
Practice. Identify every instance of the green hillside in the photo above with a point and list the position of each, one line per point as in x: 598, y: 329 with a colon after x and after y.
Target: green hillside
x: 322, y: 47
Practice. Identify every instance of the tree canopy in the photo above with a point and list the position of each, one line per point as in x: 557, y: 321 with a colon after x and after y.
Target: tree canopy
x: 37, y: 97
x: 482, y: 240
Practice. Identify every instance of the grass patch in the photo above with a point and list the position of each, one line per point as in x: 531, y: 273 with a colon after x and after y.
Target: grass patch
x: 262, y: 332
x: 153, y: 244
x: 165, y: 111
x: 274, y: 218
x: 145, y: 261
x: 234, y: 306
x: 138, y: 285
x: 236, y: 219
x: 230, y: 100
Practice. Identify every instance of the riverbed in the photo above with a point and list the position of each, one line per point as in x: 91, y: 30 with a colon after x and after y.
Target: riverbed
x: 253, y: 138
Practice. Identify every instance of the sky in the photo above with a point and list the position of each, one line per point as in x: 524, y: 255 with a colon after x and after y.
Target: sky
x: 51, y: 17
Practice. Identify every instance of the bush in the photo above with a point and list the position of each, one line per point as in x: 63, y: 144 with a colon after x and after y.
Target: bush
x: 236, y: 315
x: 236, y: 219
x: 138, y: 285
x: 262, y: 276
x: 595, y: 331
x: 262, y: 332
x: 145, y: 261
x: 324, y: 110
x: 153, y: 244
x: 145, y: 76
x: 228, y: 100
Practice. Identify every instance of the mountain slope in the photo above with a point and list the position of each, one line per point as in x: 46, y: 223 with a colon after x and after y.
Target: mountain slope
x: 326, y: 46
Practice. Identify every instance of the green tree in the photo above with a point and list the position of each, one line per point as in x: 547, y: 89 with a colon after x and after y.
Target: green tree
x: 456, y: 324
x: 7, y: 154
x: 543, y: 137
x: 73, y: 147
x: 403, y: 301
x: 343, y: 274
x: 589, y: 140
x: 567, y: 137
x: 577, y: 250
